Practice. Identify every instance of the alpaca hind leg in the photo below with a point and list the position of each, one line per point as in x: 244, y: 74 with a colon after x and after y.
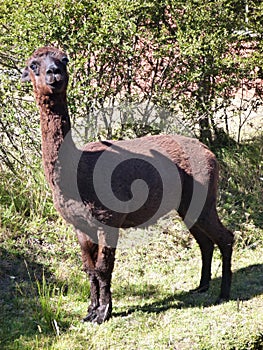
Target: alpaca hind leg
x: 225, y: 245
x: 224, y: 240
x: 207, y: 249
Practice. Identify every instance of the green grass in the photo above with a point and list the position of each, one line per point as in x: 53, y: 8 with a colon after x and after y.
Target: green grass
x: 152, y: 306
x: 44, y: 293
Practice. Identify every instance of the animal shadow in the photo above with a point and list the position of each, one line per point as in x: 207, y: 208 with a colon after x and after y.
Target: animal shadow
x: 247, y: 284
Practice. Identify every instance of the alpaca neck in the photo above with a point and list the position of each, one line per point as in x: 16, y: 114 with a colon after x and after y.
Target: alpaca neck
x: 55, y: 128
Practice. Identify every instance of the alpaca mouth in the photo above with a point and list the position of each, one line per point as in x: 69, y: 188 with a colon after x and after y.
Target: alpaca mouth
x: 55, y: 81
x: 56, y: 84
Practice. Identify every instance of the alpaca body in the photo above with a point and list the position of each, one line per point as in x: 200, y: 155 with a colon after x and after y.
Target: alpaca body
x: 76, y: 198
x: 159, y: 152
x: 110, y: 185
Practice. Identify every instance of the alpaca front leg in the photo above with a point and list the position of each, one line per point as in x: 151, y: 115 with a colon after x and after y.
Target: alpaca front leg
x: 104, y: 267
x: 94, y: 298
x: 89, y: 251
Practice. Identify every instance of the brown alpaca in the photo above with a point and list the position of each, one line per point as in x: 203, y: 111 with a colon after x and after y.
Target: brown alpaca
x: 180, y: 173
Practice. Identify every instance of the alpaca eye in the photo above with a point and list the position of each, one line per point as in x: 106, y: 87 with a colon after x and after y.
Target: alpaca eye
x: 34, y: 67
x: 65, y: 60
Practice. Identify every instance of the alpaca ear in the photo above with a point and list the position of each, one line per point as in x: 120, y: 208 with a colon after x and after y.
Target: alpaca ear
x: 65, y: 60
x: 25, y: 75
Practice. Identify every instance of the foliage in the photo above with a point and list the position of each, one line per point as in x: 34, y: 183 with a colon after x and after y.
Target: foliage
x: 185, y: 57
x: 240, y: 198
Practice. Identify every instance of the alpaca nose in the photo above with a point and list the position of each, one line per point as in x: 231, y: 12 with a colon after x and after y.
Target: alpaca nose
x: 53, y: 74
x: 53, y: 69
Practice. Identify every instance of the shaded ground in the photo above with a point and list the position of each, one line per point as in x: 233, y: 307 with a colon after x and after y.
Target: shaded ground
x: 18, y: 301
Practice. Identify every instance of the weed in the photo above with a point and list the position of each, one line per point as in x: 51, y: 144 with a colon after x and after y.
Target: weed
x: 50, y: 300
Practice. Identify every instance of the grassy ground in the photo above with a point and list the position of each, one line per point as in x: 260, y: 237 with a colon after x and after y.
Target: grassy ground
x: 152, y: 306
x: 44, y: 293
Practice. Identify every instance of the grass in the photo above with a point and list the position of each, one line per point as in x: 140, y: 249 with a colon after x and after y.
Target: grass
x: 152, y: 306
x: 44, y: 293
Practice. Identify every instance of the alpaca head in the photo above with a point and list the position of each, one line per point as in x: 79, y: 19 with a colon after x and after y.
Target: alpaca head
x: 47, y: 70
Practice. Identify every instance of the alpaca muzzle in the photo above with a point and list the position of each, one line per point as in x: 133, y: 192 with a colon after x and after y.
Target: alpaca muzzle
x: 53, y: 75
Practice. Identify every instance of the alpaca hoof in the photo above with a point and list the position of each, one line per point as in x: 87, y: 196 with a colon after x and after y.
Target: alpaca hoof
x: 200, y: 289
x: 90, y: 316
x: 103, y: 313
x: 221, y: 300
